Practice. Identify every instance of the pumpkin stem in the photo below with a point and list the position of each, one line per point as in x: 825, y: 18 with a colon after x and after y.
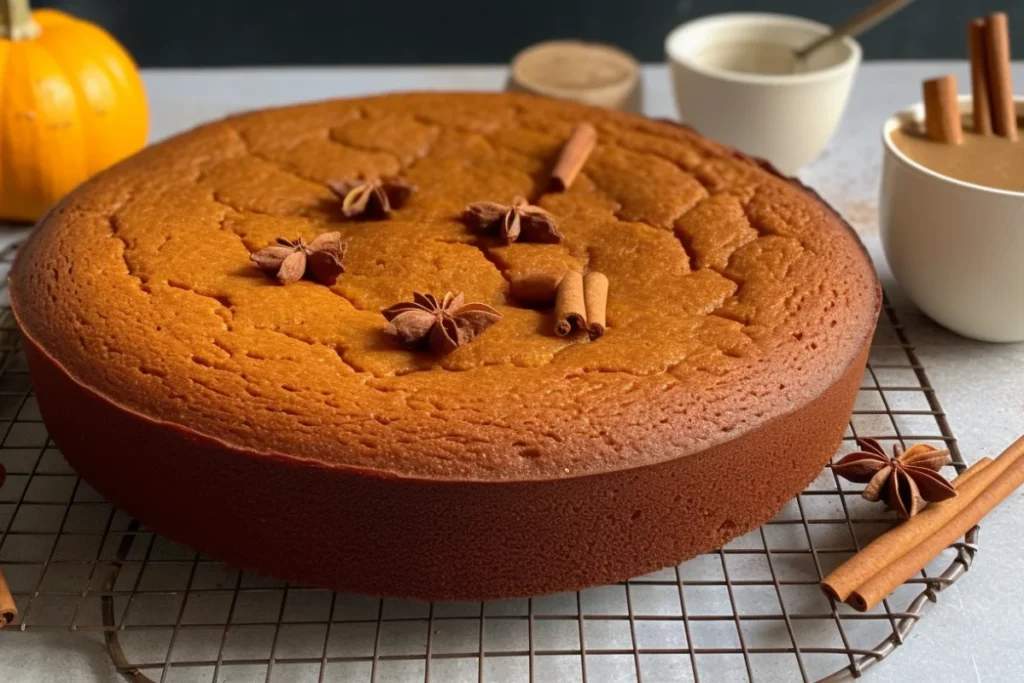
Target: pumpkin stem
x: 16, y: 21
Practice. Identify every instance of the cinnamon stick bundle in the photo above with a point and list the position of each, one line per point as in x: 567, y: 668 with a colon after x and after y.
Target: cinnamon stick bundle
x: 888, y: 547
x: 581, y: 303
x: 595, y: 296
x: 573, y: 156
x: 980, y: 77
x: 570, y: 305
x: 942, y: 110
x: 874, y: 590
x: 873, y: 573
x: 8, y: 609
x: 997, y: 43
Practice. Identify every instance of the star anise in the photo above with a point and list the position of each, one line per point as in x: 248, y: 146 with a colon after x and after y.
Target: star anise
x: 443, y: 326
x: 373, y: 198
x: 902, y: 481
x: 519, y: 221
x: 292, y: 260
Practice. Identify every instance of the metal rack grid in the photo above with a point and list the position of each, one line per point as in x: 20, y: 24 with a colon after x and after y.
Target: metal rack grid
x: 749, y: 611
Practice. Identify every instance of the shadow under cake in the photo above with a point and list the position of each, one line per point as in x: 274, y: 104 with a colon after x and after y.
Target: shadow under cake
x: 271, y: 428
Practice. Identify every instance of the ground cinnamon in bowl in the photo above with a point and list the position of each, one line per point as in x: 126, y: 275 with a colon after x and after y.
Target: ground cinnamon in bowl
x: 987, y: 160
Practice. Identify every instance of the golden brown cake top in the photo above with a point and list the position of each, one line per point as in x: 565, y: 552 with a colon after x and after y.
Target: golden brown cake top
x: 735, y: 296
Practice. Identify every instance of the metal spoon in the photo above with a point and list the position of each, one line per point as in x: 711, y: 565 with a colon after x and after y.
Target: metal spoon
x: 855, y: 25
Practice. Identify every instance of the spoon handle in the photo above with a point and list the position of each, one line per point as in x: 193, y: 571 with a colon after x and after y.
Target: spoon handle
x: 868, y: 18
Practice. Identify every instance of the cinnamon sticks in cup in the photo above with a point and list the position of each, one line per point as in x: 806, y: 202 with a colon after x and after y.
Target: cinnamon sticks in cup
x: 876, y: 571
x: 942, y: 110
x: 1000, y: 85
x: 980, y: 97
x: 988, y: 43
x: 993, y: 106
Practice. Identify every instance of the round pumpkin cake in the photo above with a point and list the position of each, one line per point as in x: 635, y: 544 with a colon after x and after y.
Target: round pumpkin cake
x: 286, y: 429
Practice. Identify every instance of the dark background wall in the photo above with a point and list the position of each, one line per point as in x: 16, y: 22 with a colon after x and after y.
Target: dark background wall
x: 234, y: 32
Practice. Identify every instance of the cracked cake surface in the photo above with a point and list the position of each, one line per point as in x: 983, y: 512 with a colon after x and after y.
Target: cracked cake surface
x: 735, y: 297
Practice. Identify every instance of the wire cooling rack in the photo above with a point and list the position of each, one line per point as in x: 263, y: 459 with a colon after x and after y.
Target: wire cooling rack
x: 749, y: 611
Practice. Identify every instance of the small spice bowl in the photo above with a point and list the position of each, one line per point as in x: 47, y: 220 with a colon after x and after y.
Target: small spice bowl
x: 735, y: 81
x: 955, y: 248
x: 591, y: 73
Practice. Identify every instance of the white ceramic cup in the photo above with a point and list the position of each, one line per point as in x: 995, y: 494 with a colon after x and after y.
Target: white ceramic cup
x: 786, y: 118
x: 957, y: 249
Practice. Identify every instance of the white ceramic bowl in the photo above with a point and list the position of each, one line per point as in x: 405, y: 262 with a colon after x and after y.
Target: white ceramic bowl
x: 786, y: 118
x: 956, y: 248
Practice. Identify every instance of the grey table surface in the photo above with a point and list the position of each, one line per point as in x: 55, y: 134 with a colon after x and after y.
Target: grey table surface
x: 977, y: 630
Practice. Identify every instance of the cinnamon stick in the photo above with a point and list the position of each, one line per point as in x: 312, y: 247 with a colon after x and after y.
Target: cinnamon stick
x: 892, y: 545
x: 980, y: 96
x: 942, y: 110
x: 8, y: 609
x: 573, y: 156
x: 595, y: 296
x: 534, y: 289
x: 875, y: 589
x: 997, y: 42
x: 570, y: 306
x: 967, y: 474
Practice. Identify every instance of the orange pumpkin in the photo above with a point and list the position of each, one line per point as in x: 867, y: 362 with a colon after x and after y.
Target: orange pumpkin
x: 71, y: 104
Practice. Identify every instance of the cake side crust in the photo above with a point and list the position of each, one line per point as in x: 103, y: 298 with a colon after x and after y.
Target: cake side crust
x: 383, y: 535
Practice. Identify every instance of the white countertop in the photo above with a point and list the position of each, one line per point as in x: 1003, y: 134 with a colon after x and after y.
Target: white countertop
x: 977, y: 630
